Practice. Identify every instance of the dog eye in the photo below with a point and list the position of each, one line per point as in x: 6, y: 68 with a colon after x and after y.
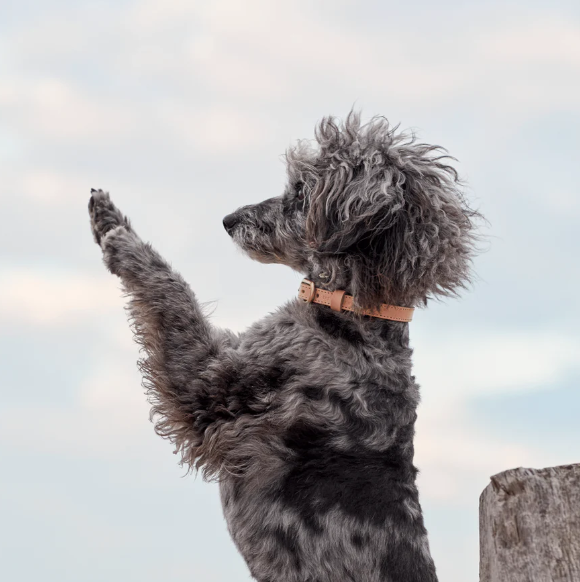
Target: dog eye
x: 300, y: 191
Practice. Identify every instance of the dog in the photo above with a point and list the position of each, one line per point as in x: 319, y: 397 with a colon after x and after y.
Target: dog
x: 307, y: 418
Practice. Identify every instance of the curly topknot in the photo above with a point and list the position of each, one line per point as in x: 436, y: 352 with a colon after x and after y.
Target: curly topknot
x: 386, y: 209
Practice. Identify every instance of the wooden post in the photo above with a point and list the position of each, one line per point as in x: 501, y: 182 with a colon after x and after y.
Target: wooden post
x: 529, y: 526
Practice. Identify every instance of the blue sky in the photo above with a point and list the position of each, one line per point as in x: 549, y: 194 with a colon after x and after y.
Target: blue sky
x: 182, y: 110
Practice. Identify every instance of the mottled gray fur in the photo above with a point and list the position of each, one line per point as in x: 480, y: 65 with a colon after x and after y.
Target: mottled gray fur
x: 307, y: 418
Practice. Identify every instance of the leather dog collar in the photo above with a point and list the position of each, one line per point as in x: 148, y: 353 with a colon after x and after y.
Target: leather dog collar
x: 339, y: 301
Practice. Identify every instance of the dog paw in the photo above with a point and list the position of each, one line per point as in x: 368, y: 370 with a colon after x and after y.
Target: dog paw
x: 105, y: 216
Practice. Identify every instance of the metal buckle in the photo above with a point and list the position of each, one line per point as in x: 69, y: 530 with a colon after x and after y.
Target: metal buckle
x: 312, y: 287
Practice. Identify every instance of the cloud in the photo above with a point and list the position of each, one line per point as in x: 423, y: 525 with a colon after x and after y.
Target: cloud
x: 455, y: 461
x: 44, y: 185
x: 564, y: 203
x: 60, y: 110
x: 208, y: 69
x: 108, y: 416
x: 470, y: 365
x: 52, y: 298
x: 305, y: 50
x: 213, y: 129
x: 456, y: 458
x: 549, y: 41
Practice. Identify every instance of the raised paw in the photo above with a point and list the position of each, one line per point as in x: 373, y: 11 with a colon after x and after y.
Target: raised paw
x: 105, y: 216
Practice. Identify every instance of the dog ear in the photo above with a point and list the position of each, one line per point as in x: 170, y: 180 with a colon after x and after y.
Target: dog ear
x: 394, y: 212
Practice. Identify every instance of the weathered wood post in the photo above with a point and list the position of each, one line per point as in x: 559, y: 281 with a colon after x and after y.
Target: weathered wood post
x: 529, y: 526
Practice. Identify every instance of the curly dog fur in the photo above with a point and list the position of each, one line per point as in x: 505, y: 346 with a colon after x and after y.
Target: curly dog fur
x: 307, y: 418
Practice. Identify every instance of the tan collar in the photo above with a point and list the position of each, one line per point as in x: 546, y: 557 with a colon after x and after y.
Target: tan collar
x: 339, y: 301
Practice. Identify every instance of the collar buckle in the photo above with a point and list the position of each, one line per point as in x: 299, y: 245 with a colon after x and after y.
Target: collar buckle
x: 311, y: 291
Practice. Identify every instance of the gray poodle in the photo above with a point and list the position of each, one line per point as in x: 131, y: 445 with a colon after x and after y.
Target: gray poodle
x: 307, y: 418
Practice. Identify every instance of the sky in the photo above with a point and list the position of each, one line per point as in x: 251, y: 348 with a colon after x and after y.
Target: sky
x: 182, y: 110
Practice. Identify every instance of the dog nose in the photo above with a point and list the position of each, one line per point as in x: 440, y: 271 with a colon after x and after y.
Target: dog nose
x: 230, y: 222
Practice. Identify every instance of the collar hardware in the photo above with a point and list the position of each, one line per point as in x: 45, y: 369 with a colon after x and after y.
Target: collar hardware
x: 311, y: 291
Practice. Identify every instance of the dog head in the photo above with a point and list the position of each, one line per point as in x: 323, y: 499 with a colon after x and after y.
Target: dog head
x: 368, y: 210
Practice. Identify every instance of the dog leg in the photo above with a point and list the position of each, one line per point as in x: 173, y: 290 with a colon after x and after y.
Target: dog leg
x: 168, y: 322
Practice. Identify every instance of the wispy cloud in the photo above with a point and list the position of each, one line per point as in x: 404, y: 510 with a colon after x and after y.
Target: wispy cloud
x: 475, y: 364
x: 60, y: 299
